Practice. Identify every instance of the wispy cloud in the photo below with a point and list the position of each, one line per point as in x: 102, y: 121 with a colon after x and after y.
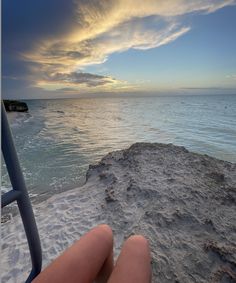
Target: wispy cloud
x: 231, y: 77
x: 94, y: 29
x: 207, y: 88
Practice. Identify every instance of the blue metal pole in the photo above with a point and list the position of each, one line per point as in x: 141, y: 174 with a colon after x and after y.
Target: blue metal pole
x: 21, y: 196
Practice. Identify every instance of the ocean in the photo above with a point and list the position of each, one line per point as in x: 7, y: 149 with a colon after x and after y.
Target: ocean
x: 58, y: 139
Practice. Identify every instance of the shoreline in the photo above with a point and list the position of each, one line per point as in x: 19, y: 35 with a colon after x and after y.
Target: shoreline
x: 183, y: 202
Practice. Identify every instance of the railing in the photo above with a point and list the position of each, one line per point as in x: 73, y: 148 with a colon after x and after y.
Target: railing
x: 20, y: 195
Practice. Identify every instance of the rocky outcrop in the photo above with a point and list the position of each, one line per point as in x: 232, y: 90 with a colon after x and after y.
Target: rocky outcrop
x: 184, y: 203
x: 14, y: 105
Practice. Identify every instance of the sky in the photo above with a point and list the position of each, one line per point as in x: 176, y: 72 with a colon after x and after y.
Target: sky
x: 70, y: 48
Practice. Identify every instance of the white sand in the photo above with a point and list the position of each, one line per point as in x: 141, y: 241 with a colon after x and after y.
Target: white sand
x: 184, y: 203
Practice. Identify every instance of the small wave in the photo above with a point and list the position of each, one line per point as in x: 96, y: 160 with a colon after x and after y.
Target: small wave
x: 28, y: 118
x: 58, y: 111
x: 76, y: 129
x: 154, y: 130
x: 17, y: 120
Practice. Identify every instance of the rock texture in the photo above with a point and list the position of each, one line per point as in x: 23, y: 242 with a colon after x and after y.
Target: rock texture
x: 184, y: 203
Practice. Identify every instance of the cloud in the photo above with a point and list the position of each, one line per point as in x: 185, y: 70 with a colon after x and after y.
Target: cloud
x: 206, y: 88
x: 97, y: 17
x: 57, y: 39
x: 75, y: 79
x: 231, y: 77
x: 67, y: 89
x: 104, y: 27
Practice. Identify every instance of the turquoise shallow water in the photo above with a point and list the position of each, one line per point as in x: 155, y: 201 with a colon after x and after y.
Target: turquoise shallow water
x: 58, y: 139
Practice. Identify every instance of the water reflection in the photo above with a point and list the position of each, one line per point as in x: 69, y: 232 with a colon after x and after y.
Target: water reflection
x: 59, y: 138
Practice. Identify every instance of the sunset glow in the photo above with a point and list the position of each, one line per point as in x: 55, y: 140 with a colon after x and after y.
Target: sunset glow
x: 67, y: 48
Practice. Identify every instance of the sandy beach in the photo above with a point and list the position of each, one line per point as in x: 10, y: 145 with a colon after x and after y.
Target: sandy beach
x: 184, y: 203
